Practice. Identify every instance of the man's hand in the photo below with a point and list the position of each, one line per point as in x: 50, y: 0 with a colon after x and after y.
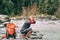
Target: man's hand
x: 34, y: 22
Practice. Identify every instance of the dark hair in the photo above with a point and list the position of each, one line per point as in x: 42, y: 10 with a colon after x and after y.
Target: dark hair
x: 5, y: 25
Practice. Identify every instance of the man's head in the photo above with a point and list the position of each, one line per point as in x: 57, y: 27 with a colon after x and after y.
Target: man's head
x: 31, y: 19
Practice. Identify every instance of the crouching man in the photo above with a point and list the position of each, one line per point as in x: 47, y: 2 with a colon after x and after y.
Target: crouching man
x: 26, y: 30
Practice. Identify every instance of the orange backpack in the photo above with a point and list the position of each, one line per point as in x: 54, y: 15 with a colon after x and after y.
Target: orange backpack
x: 10, y: 28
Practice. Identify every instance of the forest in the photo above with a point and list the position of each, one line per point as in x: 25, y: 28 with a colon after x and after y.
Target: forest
x: 21, y: 7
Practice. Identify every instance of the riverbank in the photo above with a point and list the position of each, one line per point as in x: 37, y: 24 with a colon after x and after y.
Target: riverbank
x: 42, y: 16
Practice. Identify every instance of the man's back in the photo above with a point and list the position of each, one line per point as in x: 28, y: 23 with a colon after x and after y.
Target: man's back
x: 10, y: 25
x: 10, y: 28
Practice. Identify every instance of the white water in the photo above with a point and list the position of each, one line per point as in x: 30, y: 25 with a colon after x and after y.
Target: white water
x: 50, y: 29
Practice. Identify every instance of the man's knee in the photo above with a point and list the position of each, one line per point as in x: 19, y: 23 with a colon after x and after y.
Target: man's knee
x: 30, y: 30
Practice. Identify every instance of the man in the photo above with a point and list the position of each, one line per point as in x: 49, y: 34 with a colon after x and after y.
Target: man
x: 10, y: 30
x: 26, y: 30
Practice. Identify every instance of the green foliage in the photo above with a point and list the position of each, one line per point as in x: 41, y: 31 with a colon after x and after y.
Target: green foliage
x: 52, y: 6
x: 42, y: 6
x: 14, y: 7
x: 48, y: 6
x: 7, y: 7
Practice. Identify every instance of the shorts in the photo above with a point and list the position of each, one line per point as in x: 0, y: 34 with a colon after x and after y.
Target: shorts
x: 25, y: 31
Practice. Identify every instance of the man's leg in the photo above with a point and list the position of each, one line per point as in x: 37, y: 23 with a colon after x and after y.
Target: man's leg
x: 23, y: 35
x: 28, y: 33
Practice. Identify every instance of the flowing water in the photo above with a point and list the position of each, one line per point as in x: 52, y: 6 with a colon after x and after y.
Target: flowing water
x: 49, y: 29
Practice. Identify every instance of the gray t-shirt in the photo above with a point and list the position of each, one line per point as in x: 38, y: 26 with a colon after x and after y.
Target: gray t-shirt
x: 26, y: 25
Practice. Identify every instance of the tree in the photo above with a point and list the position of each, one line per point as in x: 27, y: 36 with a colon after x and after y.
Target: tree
x: 14, y: 7
x: 6, y: 7
x: 41, y: 6
x: 52, y: 6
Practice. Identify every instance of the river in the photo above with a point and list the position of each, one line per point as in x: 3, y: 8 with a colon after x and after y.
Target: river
x: 49, y: 29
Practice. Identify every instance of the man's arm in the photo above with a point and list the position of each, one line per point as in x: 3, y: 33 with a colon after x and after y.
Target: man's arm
x: 32, y: 22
